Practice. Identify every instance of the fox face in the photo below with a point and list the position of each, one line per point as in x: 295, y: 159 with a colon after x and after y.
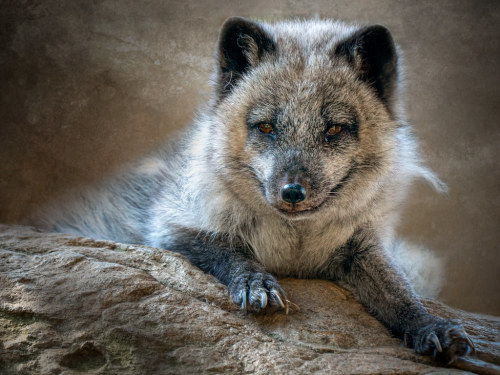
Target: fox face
x: 297, y: 130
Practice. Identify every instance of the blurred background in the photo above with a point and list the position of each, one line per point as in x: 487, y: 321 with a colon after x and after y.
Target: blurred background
x: 86, y: 86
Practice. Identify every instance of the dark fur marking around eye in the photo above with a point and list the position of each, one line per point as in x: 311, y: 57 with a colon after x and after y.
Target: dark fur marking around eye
x: 341, y: 114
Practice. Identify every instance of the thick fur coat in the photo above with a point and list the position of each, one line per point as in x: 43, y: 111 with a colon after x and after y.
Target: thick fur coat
x: 296, y: 167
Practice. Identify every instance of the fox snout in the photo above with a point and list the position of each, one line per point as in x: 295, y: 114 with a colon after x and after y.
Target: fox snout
x: 293, y: 193
x: 293, y: 184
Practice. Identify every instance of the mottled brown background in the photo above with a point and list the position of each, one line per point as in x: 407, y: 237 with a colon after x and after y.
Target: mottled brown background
x: 86, y: 86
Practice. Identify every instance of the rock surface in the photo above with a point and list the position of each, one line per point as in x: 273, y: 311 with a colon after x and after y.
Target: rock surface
x: 71, y: 305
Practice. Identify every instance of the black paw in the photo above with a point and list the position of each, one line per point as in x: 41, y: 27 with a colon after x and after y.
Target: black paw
x: 258, y: 291
x: 444, y: 339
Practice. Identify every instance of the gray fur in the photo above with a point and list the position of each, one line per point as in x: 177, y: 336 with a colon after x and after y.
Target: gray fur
x: 215, y: 195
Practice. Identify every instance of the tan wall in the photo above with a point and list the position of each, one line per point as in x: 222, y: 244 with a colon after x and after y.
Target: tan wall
x: 87, y: 85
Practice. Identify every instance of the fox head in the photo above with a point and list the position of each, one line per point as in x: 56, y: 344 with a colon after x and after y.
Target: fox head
x: 302, y: 115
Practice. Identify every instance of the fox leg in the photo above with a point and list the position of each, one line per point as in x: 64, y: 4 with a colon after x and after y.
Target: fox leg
x: 364, y: 268
x: 233, y: 263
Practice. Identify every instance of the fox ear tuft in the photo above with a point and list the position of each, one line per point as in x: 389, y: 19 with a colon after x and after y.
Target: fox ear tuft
x: 242, y: 45
x: 373, y: 53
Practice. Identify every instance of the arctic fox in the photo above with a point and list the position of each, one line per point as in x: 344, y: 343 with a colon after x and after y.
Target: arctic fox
x: 296, y: 167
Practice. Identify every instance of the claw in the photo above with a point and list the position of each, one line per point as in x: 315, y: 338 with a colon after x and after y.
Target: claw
x: 243, y: 295
x: 463, y: 337
x: 275, y: 293
x: 453, y: 359
x: 263, y: 297
x: 294, y: 306
x: 471, y: 344
x: 434, y: 339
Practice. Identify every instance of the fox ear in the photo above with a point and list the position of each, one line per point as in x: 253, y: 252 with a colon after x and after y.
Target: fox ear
x: 242, y: 45
x: 373, y: 53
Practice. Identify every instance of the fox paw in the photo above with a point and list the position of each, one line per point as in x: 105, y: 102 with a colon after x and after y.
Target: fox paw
x: 258, y: 291
x: 445, y: 340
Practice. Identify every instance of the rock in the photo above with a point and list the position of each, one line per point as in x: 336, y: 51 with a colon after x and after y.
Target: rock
x: 71, y: 305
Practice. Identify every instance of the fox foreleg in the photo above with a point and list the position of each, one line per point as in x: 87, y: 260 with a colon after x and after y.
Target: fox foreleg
x: 233, y: 263
x: 365, y: 269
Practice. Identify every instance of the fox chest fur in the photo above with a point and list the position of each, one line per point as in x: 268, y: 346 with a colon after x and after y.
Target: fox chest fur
x: 299, y: 250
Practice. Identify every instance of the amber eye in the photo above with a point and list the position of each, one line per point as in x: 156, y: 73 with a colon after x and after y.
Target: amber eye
x: 333, y: 130
x: 266, y: 128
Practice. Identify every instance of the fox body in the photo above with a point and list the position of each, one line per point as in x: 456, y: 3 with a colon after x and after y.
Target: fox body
x: 296, y: 167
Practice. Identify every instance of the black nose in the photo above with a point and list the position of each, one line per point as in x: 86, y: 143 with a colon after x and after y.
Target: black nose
x: 293, y: 193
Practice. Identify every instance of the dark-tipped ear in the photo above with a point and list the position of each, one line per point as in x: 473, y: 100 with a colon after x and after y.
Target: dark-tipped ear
x: 242, y: 45
x: 373, y: 53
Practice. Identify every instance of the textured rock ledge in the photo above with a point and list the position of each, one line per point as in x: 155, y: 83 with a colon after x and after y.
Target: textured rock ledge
x: 70, y: 305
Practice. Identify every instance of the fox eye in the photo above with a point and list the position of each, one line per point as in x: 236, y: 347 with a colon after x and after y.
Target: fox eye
x: 265, y: 128
x: 332, y: 131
